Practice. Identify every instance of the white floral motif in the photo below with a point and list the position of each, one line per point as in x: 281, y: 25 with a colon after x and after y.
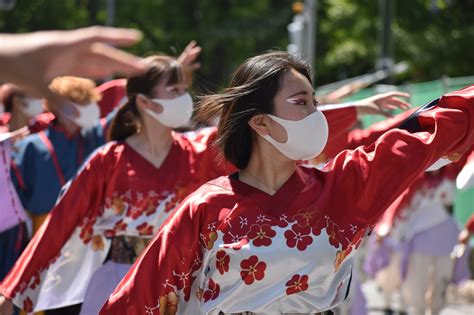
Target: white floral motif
x: 235, y: 238
x: 128, y: 194
x: 150, y: 310
x: 182, y: 277
x: 197, y: 261
x: 262, y: 218
x: 353, y: 228
x: 227, y: 221
x: 284, y: 217
x: 211, y: 226
x: 139, y: 196
x: 243, y: 222
x: 152, y: 194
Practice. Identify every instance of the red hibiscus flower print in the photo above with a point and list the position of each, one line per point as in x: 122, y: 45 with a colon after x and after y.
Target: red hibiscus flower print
x: 36, y: 281
x: 238, y: 245
x: 28, y: 305
x: 252, y: 269
x: 305, y: 217
x: 298, y: 236
x: 261, y: 235
x: 120, y: 226
x: 235, y: 241
x: 212, y: 292
x: 297, y: 284
x: 134, y: 212
x: 145, y: 229
x: 283, y: 221
x: 150, y: 209
x: 86, y: 234
x: 336, y: 235
x: 222, y: 261
x: 311, y: 218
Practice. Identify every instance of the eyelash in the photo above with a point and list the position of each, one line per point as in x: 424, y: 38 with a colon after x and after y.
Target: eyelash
x: 304, y: 103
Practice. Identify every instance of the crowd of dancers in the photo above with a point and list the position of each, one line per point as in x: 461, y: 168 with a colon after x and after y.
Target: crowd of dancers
x: 130, y: 198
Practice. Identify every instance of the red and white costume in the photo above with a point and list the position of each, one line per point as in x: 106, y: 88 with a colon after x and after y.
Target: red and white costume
x: 230, y: 248
x: 117, y: 192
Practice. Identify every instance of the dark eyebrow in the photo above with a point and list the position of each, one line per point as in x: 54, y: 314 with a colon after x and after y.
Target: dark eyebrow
x: 299, y: 93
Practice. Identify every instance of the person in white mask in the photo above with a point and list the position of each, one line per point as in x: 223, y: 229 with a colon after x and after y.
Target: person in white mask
x: 125, y: 190
x: 45, y: 161
x: 145, y: 171
x: 275, y: 237
x: 19, y: 107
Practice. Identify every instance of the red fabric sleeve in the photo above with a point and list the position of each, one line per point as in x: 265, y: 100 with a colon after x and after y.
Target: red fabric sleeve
x: 162, y: 277
x: 213, y: 164
x: 470, y: 224
x: 340, y: 122
x: 358, y: 137
x: 112, y: 93
x: 341, y: 137
x: 40, y: 122
x: 372, y: 177
x: 82, y: 198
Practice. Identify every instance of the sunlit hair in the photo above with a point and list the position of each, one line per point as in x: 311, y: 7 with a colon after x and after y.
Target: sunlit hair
x: 78, y: 90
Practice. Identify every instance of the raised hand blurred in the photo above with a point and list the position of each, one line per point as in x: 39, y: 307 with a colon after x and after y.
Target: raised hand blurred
x: 381, y: 104
x: 31, y: 60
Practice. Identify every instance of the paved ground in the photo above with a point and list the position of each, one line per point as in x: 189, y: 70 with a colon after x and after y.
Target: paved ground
x: 375, y: 302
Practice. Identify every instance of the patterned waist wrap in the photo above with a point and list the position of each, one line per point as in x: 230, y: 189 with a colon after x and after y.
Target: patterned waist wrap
x: 126, y: 249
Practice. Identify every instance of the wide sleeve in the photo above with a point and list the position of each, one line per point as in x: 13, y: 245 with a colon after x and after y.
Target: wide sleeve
x: 206, y: 154
x: 340, y: 118
x: 161, y: 280
x: 372, y: 177
x: 340, y: 121
x: 359, y: 137
x: 80, y: 199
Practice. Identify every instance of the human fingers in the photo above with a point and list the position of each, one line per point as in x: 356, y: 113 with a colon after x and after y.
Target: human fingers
x: 396, y: 94
x: 394, y: 103
x: 107, y: 35
x: 103, y: 60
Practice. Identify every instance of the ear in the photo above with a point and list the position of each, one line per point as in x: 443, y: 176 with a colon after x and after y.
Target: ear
x: 144, y: 102
x: 260, y: 123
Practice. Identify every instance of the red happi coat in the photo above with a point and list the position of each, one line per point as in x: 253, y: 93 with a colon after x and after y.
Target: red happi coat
x: 117, y: 192
x: 231, y: 248
x: 422, y: 203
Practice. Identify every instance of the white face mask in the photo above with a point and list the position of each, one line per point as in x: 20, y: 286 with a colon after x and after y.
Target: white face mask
x: 176, y: 112
x: 89, y: 115
x: 306, y: 138
x: 33, y: 106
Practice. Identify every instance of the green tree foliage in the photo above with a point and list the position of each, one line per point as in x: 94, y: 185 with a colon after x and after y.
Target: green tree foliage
x: 436, y: 37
